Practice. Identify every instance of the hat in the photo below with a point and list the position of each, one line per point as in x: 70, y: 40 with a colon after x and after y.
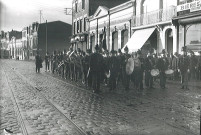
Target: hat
x: 119, y: 50
x: 163, y: 51
x: 78, y: 50
x: 126, y: 48
x: 184, y: 49
x: 112, y: 51
x: 139, y: 52
x: 97, y: 47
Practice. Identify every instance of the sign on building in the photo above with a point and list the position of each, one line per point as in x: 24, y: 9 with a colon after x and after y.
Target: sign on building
x: 189, y: 7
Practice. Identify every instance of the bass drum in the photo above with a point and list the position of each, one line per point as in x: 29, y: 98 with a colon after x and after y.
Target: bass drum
x: 129, y: 66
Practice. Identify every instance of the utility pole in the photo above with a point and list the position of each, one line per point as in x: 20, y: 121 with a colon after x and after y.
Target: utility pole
x: 46, y: 36
x: 40, y: 15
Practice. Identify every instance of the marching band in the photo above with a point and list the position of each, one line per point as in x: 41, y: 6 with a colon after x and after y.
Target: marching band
x: 92, y: 69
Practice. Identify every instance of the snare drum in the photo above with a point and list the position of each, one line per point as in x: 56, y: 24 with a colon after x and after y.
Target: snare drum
x: 154, y: 72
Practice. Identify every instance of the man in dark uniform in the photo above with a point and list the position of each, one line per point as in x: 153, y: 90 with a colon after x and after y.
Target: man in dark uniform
x: 199, y: 66
x: 175, y: 61
x: 113, y: 67
x: 148, y: 66
x: 139, y: 55
x: 119, y: 66
x: 87, y: 75
x: 105, y: 67
x: 184, y: 68
x: 193, y: 66
x: 162, y: 66
x: 38, y: 62
x: 47, y: 62
x: 126, y: 77
x: 96, y: 65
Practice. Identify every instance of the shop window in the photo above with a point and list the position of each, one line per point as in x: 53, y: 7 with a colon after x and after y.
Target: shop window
x: 78, y: 27
x: 74, y: 25
x: 85, y: 24
x: 193, y: 34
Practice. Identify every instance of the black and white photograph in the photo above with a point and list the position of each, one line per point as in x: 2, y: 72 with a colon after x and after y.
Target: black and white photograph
x: 100, y: 67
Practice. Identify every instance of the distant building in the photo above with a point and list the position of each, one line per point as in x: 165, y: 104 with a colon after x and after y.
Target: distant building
x: 14, y: 40
x: 82, y: 10
x: 49, y: 37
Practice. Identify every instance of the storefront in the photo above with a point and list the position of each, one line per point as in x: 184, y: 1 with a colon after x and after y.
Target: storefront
x: 188, y: 24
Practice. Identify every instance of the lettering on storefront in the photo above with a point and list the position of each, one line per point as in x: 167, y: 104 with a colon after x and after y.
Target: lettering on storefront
x: 189, y: 7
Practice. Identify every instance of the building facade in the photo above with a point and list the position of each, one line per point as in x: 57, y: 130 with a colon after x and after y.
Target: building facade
x: 111, y: 28
x: 188, y: 23
x: 15, y: 46
x: 82, y: 11
x: 153, y: 29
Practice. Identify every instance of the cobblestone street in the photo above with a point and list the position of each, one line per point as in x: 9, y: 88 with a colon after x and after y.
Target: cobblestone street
x: 44, y: 103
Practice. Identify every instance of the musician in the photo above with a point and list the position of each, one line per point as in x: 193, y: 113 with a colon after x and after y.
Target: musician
x: 175, y: 61
x: 78, y: 64
x: 120, y: 66
x: 38, y: 62
x: 113, y: 67
x: 71, y: 59
x: 148, y: 66
x: 87, y: 74
x: 126, y: 77
x: 96, y: 67
x: 135, y: 70
x: 66, y: 65
x: 193, y: 66
x: 162, y: 65
x: 47, y: 62
x: 199, y: 66
x: 184, y: 68
x: 139, y: 53
x: 138, y: 71
x: 105, y: 67
x: 54, y: 61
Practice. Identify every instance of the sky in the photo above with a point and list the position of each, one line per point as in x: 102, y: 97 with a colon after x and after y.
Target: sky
x: 17, y: 14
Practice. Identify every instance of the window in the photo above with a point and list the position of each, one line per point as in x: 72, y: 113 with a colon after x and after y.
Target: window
x: 74, y: 25
x: 78, y: 27
x: 81, y: 25
x: 85, y: 24
x: 76, y: 6
x: 193, y: 34
x: 83, y: 4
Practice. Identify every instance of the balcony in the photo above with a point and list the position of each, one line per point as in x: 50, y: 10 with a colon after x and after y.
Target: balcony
x: 162, y: 15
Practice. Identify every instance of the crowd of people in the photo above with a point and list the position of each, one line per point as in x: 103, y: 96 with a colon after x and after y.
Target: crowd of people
x: 109, y: 68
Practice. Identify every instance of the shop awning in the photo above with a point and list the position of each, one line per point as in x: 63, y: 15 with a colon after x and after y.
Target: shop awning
x: 138, y: 39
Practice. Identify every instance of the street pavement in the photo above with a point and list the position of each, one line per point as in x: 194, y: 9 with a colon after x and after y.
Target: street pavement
x: 46, y: 102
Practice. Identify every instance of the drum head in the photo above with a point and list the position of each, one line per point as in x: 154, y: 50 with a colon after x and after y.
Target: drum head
x: 130, y: 66
x: 154, y: 72
x: 169, y: 72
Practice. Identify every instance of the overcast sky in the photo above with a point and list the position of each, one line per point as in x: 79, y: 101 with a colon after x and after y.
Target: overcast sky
x: 17, y: 14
